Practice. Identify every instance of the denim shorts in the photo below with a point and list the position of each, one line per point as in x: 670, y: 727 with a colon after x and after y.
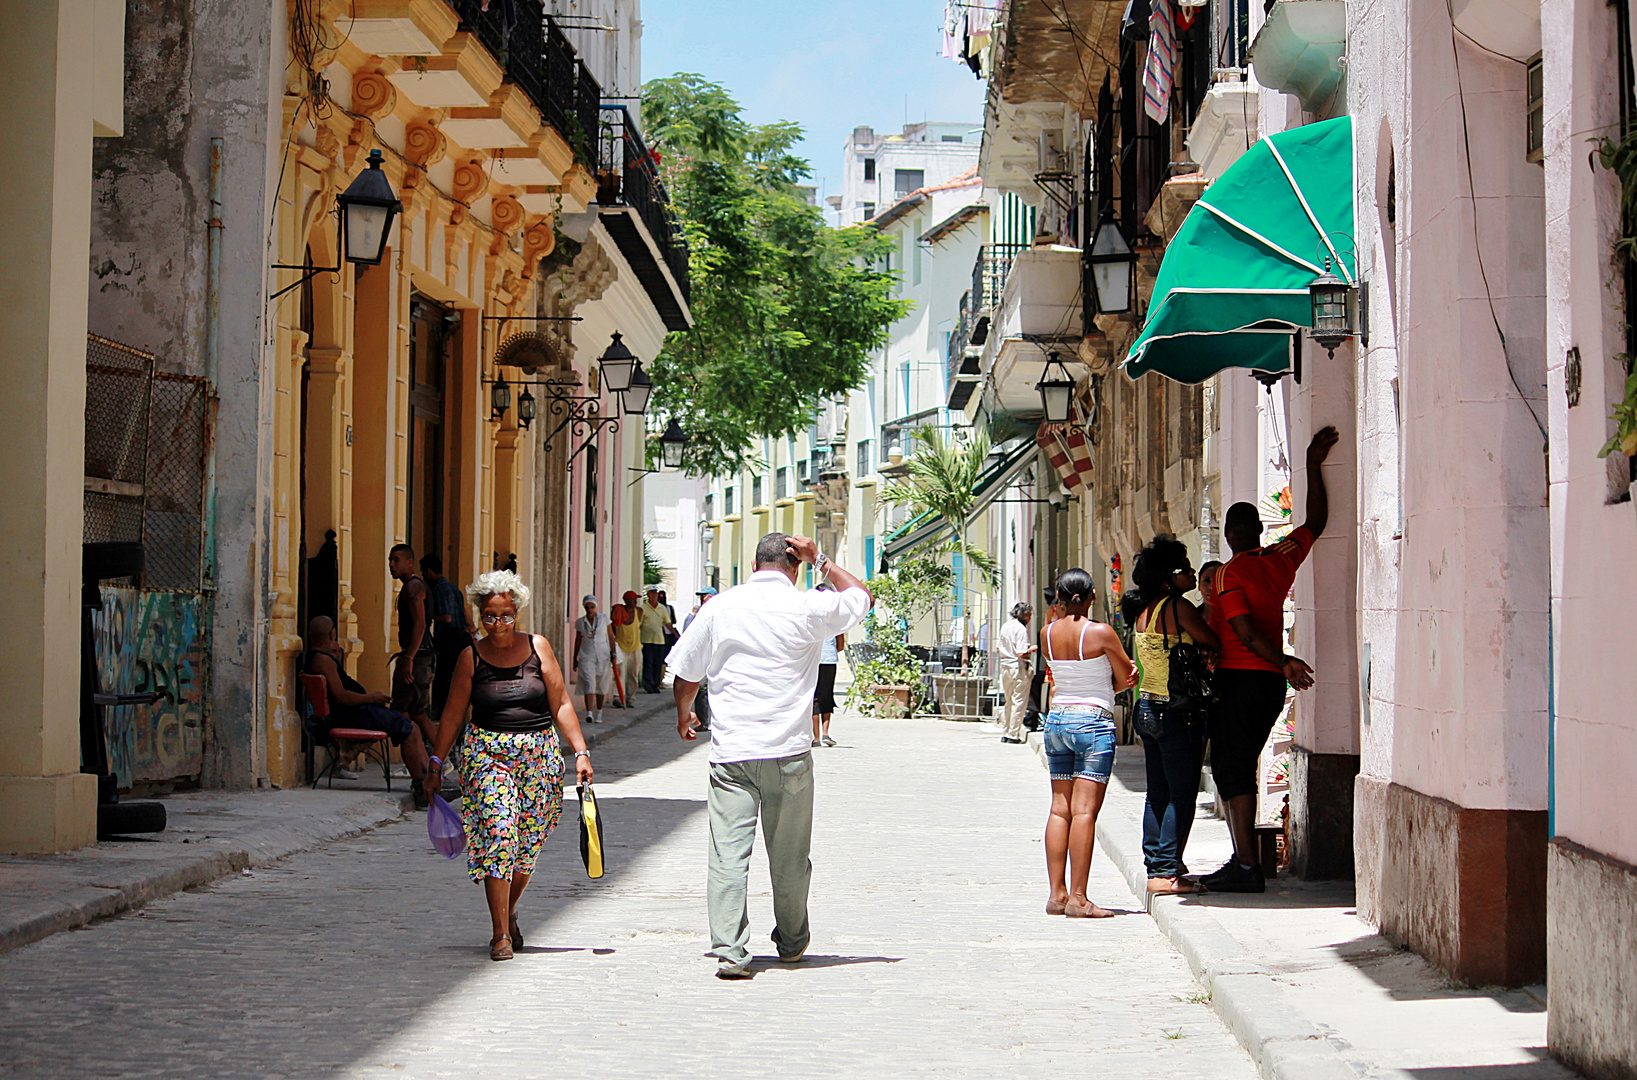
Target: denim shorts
x: 1080, y: 743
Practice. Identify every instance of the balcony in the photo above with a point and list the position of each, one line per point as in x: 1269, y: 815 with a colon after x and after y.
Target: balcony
x: 1039, y: 312
x: 636, y: 211
x: 1299, y: 49
x: 535, y: 55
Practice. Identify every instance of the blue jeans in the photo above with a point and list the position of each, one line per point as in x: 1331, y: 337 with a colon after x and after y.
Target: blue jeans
x: 1080, y: 743
x: 1172, y: 760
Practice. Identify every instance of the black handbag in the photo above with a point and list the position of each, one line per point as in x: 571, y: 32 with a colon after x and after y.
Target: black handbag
x: 1189, y: 686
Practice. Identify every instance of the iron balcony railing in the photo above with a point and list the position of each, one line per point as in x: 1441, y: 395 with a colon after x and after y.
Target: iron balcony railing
x: 630, y: 177
x: 989, y: 273
x: 535, y: 55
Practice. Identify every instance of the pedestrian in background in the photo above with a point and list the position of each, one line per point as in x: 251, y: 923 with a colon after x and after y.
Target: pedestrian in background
x: 1088, y: 666
x: 1158, y: 610
x: 759, y: 643
x: 510, y: 762
x: 656, y: 621
x: 1248, y: 615
x: 451, y: 636
x: 824, y: 694
x: 1013, y: 658
x: 593, y: 658
x: 628, y: 638
x: 1207, y: 588
x: 415, y: 662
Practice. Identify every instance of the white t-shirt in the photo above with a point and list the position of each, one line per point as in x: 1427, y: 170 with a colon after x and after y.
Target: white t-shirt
x: 758, y: 645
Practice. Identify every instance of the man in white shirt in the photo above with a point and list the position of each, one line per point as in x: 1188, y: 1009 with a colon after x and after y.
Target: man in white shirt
x: 1014, y: 651
x: 758, y: 644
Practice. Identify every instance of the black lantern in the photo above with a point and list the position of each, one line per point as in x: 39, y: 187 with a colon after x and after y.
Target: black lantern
x: 526, y: 411
x: 636, y: 395
x: 671, y: 444
x: 618, y: 364
x: 1332, y: 309
x: 367, y: 209
x: 1112, y: 261
x: 1056, y: 390
x: 500, y: 398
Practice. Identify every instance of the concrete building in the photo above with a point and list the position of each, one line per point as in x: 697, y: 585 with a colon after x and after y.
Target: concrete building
x: 1462, y: 752
x: 63, y: 86
x: 361, y: 406
x: 880, y: 170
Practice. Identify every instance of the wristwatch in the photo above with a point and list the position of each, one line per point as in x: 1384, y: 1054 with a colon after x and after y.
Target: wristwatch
x: 822, y: 564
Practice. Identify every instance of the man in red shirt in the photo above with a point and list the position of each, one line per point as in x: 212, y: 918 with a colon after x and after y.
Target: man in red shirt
x: 1249, y: 616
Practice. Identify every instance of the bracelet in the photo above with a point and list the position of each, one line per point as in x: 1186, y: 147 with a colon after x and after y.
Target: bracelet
x: 582, y: 753
x: 435, y: 760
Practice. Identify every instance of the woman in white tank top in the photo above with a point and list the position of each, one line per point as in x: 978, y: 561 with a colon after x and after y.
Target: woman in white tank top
x: 1089, y: 666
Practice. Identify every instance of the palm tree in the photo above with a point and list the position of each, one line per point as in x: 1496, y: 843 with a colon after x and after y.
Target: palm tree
x: 942, y: 478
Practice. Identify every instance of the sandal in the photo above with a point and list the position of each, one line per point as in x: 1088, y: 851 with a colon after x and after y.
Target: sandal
x: 500, y: 947
x: 1088, y: 910
x: 516, y: 933
x: 1054, y: 907
x: 1173, y: 886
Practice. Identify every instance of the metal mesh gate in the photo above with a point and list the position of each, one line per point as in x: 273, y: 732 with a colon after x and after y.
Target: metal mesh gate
x: 144, y: 461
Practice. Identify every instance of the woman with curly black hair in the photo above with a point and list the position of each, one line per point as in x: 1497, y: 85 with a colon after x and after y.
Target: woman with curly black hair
x: 1172, y: 739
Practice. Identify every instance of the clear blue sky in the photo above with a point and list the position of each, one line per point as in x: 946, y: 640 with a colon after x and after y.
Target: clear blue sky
x: 827, y: 66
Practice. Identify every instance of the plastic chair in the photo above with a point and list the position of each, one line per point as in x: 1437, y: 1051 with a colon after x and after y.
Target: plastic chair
x: 342, y: 743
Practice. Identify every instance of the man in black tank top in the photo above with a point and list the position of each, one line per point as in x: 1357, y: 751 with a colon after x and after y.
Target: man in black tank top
x: 417, y: 662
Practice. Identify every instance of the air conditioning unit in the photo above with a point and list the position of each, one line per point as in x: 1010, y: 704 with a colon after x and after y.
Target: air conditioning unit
x: 1052, y: 158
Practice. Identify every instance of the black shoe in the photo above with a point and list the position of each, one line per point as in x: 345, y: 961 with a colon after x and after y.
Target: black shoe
x: 419, y: 794
x: 1009, y: 739
x: 1220, y: 872
x: 1238, y: 879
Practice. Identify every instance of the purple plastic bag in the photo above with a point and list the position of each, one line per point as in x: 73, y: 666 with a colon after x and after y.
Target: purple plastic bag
x: 443, y: 825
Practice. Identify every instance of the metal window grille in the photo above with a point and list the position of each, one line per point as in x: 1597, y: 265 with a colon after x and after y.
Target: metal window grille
x: 781, y: 482
x: 756, y: 491
x: 727, y: 501
x: 865, y: 464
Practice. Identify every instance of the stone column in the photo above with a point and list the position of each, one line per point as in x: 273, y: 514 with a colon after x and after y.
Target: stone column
x: 51, y: 94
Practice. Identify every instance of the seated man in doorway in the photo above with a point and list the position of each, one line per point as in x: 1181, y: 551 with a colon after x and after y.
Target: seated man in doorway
x: 351, y: 706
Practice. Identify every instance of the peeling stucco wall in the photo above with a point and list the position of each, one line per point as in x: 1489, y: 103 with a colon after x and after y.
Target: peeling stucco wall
x: 197, y: 70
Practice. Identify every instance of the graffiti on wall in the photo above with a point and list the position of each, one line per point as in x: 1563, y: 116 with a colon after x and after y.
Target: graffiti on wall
x: 152, y: 641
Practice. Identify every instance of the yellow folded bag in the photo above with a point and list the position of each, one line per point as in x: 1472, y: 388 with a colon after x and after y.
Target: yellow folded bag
x: 591, y: 833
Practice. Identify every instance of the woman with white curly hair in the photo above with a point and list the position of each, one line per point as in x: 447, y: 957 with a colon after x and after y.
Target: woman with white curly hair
x: 510, y: 764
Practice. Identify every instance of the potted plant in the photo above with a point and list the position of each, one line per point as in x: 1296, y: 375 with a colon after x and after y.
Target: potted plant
x: 887, y: 683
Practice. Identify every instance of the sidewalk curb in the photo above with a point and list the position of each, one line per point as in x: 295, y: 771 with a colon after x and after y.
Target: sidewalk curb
x: 1250, y: 1001
x: 263, y: 847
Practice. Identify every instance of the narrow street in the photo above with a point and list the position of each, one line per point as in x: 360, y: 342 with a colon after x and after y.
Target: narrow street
x: 931, y: 955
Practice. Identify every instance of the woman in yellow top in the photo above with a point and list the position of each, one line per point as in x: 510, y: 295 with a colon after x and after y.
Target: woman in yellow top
x: 1172, y: 740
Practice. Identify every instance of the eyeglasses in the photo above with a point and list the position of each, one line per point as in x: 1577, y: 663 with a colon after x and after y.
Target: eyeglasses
x: 490, y: 620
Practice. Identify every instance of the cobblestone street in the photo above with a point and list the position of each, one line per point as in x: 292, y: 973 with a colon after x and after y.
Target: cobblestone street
x: 931, y: 956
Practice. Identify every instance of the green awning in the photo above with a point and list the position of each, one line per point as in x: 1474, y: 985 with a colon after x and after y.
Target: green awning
x: 927, y: 526
x: 1232, y: 288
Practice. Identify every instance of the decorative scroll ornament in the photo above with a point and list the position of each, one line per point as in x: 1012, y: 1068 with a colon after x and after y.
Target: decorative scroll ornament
x: 532, y: 352
x: 373, y: 95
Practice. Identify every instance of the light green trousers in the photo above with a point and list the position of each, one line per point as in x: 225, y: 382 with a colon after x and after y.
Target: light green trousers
x: 781, y: 791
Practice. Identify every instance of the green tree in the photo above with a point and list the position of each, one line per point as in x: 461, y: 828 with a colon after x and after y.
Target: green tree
x: 942, y: 477
x: 786, y: 310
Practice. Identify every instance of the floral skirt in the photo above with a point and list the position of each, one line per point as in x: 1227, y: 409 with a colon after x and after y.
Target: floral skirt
x: 512, y: 783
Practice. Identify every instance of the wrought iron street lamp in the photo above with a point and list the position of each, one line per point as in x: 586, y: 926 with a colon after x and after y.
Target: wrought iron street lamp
x: 1332, y: 309
x: 1112, y: 265
x: 1056, y: 390
x: 500, y: 398
x: 671, y: 445
x: 635, y: 397
x: 367, y: 209
x: 526, y: 409
x: 618, y: 365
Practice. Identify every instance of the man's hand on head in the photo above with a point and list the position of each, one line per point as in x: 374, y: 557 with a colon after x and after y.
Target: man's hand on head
x: 804, y: 548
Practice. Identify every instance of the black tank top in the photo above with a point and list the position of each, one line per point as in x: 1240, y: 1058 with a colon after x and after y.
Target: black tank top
x: 510, y: 699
